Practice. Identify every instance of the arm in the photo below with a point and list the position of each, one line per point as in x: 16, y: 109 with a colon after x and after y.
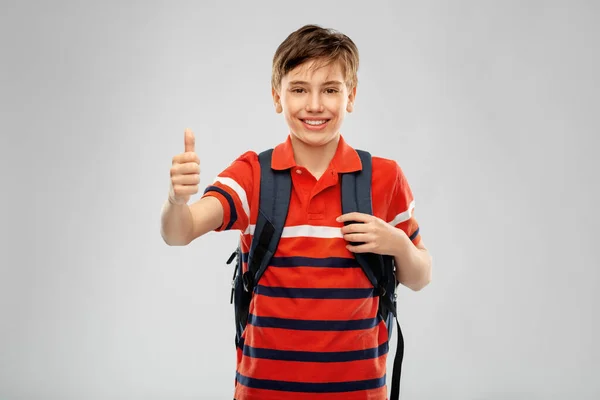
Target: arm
x: 399, y: 237
x: 181, y: 224
x: 413, y: 263
x: 412, y: 259
x: 223, y: 206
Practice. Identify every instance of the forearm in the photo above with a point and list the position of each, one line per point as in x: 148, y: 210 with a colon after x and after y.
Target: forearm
x: 413, y: 265
x: 176, y: 224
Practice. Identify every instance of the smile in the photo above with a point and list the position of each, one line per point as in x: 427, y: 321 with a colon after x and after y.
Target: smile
x: 311, y: 122
x: 315, y: 124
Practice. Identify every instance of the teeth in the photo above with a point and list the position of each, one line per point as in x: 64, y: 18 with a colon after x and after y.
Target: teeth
x: 315, y: 122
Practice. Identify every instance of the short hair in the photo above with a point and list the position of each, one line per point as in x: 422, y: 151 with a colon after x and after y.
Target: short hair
x: 312, y: 42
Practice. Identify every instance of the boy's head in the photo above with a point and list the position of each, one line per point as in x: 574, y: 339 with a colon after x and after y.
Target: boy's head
x: 314, y: 79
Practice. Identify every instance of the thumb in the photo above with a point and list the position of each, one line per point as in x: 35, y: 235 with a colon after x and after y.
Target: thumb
x: 190, y: 140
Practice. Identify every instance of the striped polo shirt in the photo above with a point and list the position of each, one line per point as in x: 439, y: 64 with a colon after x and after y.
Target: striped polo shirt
x: 313, y: 330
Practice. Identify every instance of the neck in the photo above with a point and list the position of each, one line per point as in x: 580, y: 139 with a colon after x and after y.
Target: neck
x: 316, y: 159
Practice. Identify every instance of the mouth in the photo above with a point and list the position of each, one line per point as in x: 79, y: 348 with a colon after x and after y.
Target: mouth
x: 315, y: 124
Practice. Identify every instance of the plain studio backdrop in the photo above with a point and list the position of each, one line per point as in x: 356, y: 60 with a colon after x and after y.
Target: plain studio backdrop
x: 491, y: 109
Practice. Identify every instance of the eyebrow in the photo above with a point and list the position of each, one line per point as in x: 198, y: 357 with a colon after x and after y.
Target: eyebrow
x: 323, y: 84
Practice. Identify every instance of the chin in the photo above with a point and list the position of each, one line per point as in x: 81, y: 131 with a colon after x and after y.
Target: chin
x: 315, y: 139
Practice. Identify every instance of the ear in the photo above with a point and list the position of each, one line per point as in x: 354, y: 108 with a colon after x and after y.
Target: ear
x: 276, y: 101
x: 351, y: 98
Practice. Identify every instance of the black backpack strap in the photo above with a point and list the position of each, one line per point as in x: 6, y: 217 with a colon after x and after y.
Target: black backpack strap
x: 397, y: 369
x: 356, y: 197
x: 354, y: 200
x: 275, y: 192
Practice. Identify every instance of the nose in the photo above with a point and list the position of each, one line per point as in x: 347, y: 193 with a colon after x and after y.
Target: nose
x: 314, y: 103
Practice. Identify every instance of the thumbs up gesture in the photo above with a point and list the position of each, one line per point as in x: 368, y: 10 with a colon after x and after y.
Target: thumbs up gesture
x: 185, y: 172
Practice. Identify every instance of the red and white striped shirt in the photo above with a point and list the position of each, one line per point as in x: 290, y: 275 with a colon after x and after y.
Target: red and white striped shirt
x: 313, y: 330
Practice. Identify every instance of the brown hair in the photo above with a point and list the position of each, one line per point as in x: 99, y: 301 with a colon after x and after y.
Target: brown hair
x: 311, y: 42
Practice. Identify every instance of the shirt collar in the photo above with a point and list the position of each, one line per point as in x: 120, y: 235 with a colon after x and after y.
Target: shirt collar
x: 345, y: 159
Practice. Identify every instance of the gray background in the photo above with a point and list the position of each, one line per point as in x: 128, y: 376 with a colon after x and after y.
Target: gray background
x: 491, y: 108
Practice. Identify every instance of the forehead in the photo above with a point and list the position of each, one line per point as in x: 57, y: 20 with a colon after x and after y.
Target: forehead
x: 316, y: 71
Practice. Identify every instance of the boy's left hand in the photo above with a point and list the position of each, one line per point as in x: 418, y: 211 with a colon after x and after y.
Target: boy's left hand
x: 376, y: 235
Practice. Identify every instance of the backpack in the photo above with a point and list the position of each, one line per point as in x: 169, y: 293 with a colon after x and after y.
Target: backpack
x: 275, y: 192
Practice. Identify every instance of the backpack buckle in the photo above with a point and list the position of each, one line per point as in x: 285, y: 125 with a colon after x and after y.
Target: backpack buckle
x: 381, y: 290
x: 247, y: 280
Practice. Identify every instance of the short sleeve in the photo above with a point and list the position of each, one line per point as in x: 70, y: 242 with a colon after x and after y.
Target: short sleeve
x: 234, y: 188
x: 401, y: 208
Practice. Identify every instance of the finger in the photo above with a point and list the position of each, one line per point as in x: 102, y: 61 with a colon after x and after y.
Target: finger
x: 185, y: 158
x: 354, y: 216
x: 362, y: 248
x: 357, y: 237
x: 189, y: 168
x: 190, y: 179
x: 185, y: 169
x: 355, y: 228
x: 190, y: 141
x: 185, y: 190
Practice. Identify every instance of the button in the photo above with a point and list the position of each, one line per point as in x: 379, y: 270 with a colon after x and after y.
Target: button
x: 298, y: 171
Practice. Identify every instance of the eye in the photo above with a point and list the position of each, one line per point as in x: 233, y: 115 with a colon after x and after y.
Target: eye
x: 297, y: 90
x: 331, y: 91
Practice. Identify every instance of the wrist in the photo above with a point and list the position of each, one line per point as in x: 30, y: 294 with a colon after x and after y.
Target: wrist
x: 176, y: 202
x: 403, y: 244
x: 172, y: 199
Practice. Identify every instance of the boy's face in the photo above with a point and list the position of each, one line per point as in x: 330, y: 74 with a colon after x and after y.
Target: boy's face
x: 314, y: 102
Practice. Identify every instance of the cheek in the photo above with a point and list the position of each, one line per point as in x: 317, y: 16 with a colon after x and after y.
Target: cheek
x: 290, y: 115
x: 337, y: 106
x: 292, y: 106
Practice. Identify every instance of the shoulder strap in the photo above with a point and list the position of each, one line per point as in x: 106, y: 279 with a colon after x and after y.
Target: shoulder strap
x: 275, y: 192
x: 356, y: 197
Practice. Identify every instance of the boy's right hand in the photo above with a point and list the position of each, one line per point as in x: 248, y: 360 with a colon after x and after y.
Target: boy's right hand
x: 185, y: 172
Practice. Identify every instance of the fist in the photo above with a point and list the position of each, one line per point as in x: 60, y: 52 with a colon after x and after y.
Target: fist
x: 185, y: 172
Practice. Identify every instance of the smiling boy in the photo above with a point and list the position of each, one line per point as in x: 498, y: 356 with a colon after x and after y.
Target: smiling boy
x: 313, y: 330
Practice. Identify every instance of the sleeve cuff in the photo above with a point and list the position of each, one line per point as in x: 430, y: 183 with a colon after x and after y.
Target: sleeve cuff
x: 225, y: 203
x: 415, y: 237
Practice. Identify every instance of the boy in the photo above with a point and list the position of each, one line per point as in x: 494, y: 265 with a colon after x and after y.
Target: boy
x: 334, y: 330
